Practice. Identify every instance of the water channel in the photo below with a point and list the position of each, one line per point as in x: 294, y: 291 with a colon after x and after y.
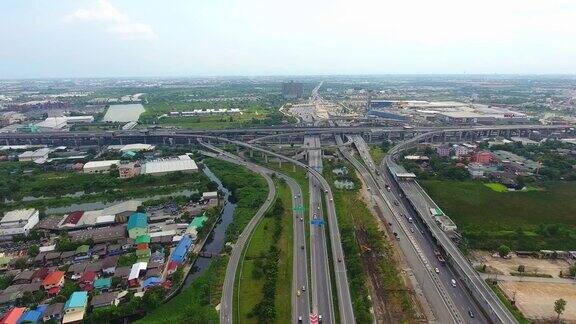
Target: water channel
x: 217, y: 237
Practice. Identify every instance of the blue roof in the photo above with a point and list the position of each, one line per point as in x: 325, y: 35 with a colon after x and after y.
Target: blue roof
x: 78, y: 299
x: 137, y: 220
x: 33, y: 315
x: 102, y: 283
x: 152, y: 281
x: 181, y: 249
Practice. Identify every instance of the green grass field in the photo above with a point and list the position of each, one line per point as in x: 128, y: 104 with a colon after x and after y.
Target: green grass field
x: 249, y: 286
x: 377, y: 153
x: 498, y: 187
x: 530, y: 220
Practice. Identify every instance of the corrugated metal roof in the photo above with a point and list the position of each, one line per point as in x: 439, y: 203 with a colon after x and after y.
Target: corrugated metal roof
x: 137, y: 220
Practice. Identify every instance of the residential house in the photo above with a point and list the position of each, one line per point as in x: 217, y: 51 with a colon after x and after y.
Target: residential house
x: 103, y: 284
x: 95, y: 266
x: 137, y: 225
x: 33, y: 315
x: 13, y: 315
x: 53, y: 282
x: 122, y: 272
x: 181, y: 251
x: 53, y: 312
x: 443, y: 151
x: 461, y: 150
x: 86, y: 282
x: 483, y: 157
x: 82, y: 253
x: 75, y: 307
x: 23, y: 277
x: 109, y: 265
x: 114, y: 249
x: 77, y: 269
x: 135, y: 271
x: 105, y: 299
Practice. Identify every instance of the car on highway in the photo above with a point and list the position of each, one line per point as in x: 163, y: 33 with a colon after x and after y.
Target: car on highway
x: 314, y: 215
x: 368, y: 188
x: 299, y: 319
x: 319, y: 318
x: 453, y: 283
x: 412, y: 229
x: 395, y: 203
x: 339, y: 259
x: 301, y: 219
x: 302, y: 247
x: 303, y: 288
x: 436, y: 270
x: 470, y: 313
x: 298, y: 293
x: 325, y: 190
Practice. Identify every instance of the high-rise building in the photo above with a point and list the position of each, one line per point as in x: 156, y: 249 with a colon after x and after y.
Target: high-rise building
x: 292, y: 90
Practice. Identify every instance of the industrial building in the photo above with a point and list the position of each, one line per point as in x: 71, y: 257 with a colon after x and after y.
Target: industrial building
x: 99, y: 166
x: 39, y: 155
x: 18, y: 222
x: 137, y: 225
x: 201, y: 112
x: 183, y: 163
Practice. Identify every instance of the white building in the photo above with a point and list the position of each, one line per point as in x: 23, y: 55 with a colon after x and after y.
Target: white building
x: 159, y: 167
x: 100, y: 166
x: 19, y: 221
x: 460, y: 150
x: 39, y: 154
x: 79, y: 119
x: 209, y: 195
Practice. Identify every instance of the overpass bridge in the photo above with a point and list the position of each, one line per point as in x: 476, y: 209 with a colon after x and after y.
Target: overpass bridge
x: 276, y: 135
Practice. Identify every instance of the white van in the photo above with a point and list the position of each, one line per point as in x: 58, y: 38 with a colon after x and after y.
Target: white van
x: 453, y: 282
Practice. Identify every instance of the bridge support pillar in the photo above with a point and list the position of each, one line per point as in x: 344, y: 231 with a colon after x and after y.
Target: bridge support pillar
x: 266, y: 158
x: 251, y: 153
x: 280, y: 163
x: 293, y: 167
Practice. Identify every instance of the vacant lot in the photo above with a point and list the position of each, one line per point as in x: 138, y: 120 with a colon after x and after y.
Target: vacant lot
x: 529, y: 220
x: 532, y: 265
x: 536, y: 299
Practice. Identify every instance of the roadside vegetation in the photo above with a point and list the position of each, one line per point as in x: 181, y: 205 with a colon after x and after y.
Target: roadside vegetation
x: 367, y: 252
x: 530, y: 220
x: 265, y: 278
x: 512, y: 308
x: 247, y: 189
x: 377, y: 151
x: 196, y: 303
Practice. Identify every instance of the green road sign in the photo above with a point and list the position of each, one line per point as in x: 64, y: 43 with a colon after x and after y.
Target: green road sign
x: 299, y: 208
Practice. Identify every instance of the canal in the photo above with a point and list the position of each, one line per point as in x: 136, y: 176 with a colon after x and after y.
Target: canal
x: 217, y: 237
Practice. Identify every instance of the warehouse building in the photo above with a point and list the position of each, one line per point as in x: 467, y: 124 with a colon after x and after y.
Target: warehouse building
x: 18, y: 222
x: 137, y: 225
x: 38, y: 155
x: 183, y: 163
x: 99, y: 166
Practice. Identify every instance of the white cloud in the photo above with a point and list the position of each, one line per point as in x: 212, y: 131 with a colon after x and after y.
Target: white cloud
x: 118, y: 23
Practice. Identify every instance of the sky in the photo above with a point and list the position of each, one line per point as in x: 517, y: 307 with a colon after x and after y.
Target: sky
x: 177, y: 38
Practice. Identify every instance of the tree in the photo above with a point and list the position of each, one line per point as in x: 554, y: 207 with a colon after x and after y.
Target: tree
x: 503, y: 250
x: 521, y: 268
x: 559, y: 307
x: 20, y: 263
x: 33, y: 250
x: 573, y: 271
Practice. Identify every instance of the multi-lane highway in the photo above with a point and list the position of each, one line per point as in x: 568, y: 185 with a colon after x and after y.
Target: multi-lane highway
x: 227, y: 301
x: 300, y: 298
x: 414, y: 198
x: 345, y: 308
x: 457, y: 298
x: 436, y: 296
x: 321, y: 285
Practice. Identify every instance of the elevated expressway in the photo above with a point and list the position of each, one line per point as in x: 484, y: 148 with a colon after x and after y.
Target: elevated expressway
x: 413, y: 197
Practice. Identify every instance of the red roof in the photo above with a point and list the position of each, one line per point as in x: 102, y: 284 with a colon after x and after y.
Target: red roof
x: 13, y: 315
x: 53, y: 278
x: 88, y: 276
x: 73, y: 217
x: 172, y: 265
x: 142, y: 246
x: 41, y: 273
x: 54, y: 291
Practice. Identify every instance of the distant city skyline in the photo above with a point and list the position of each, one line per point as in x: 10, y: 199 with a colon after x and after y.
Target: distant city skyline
x: 179, y: 38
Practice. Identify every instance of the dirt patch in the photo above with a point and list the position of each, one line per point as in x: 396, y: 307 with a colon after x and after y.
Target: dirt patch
x: 536, y: 299
x: 531, y: 265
